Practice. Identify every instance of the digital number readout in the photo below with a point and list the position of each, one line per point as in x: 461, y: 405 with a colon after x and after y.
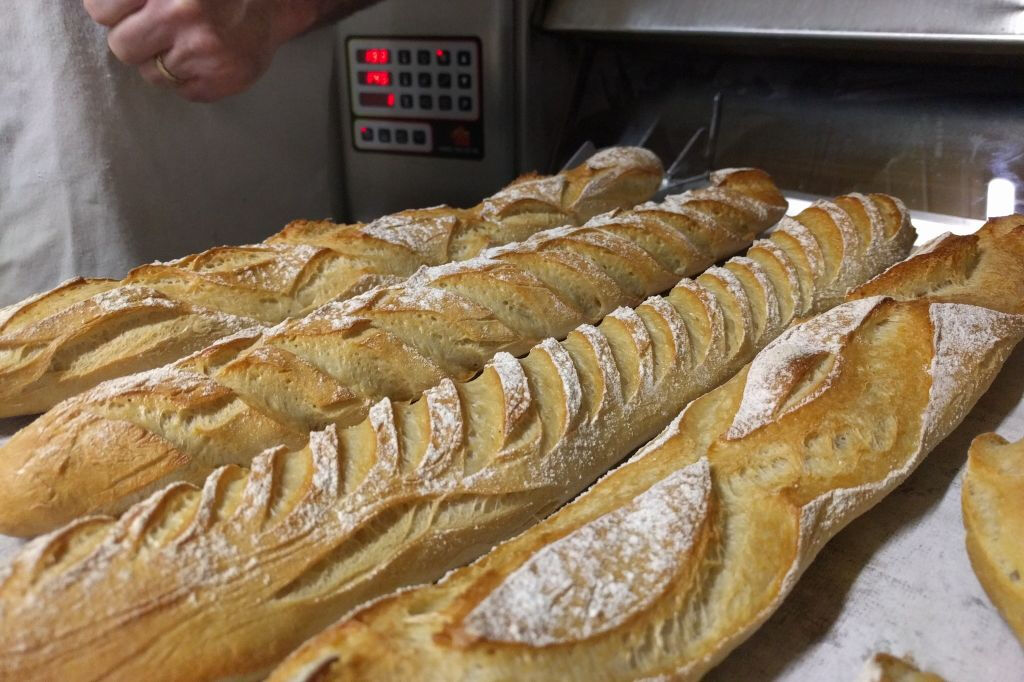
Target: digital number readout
x: 377, y: 55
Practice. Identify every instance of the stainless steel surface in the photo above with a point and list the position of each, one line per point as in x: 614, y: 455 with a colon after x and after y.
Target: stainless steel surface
x: 934, y: 149
x: 934, y: 135
x: 997, y: 23
x: 375, y: 183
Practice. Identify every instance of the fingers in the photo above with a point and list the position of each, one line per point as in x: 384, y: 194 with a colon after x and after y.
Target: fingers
x: 221, y: 79
x: 141, y: 36
x: 109, y: 12
x: 212, y: 51
x: 151, y: 74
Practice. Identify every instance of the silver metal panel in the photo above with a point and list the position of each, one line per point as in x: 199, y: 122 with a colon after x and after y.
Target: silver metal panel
x: 546, y: 69
x: 377, y: 183
x: 992, y: 22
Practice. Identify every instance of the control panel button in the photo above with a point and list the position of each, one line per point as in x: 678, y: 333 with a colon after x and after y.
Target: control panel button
x: 430, y: 84
x: 393, y: 136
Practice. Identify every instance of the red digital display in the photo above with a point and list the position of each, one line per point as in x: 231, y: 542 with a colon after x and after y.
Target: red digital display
x: 377, y: 99
x: 378, y: 78
x: 378, y: 56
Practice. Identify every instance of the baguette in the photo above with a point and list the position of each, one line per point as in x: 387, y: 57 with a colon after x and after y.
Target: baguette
x: 993, y: 507
x: 85, y: 331
x: 884, y: 667
x: 224, y: 581
x: 102, y: 450
x: 672, y: 560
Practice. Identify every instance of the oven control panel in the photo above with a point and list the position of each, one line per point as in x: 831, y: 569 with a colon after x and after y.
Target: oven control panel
x: 416, y: 95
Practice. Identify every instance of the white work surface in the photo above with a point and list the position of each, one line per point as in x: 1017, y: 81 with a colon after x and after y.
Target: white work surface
x: 897, y: 579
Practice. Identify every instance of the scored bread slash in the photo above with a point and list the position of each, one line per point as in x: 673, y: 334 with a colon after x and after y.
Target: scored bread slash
x: 670, y: 561
x: 410, y: 507
x: 62, y: 342
x: 104, y: 449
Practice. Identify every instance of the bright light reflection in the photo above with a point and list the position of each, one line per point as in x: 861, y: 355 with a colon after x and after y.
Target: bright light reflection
x: 1001, y: 199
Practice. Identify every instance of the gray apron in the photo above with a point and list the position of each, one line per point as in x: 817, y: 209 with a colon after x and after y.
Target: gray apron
x: 100, y: 171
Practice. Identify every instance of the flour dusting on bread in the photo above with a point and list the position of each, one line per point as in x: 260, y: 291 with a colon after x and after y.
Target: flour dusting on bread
x: 964, y: 335
x: 778, y: 366
x: 603, y: 572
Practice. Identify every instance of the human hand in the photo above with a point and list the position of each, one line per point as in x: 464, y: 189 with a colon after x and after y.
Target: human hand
x: 209, y: 48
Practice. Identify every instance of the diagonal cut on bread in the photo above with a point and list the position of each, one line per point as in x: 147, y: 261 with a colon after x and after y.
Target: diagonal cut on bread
x: 668, y: 563
x: 106, y: 448
x: 993, y: 507
x: 225, y: 580
x: 85, y: 331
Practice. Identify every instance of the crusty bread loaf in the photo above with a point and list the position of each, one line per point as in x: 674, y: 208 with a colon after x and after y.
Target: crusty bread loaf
x: 884, y: 667
x: 993, y: 505
x: 87, y: 330
x: 103, y: 449
x: 224, y: 581
x: 672, y: 560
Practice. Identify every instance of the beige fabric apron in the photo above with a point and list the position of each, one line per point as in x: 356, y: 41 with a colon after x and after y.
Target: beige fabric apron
x: 100, y: 171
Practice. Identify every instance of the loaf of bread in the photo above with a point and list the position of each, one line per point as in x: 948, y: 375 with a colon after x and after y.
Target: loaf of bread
x: 103, y: 449
x: 888, y: 668
x: 225, y: 580
x: 993, y: 504
x: 672, y: 560
x: 85, y: 331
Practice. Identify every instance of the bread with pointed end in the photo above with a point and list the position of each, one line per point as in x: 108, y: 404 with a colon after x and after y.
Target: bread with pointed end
x: 85, y: 331
x: 671, y: 561
x: 224, y: 580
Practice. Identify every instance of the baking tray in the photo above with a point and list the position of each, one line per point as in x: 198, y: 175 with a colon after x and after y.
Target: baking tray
x: 897, y: 579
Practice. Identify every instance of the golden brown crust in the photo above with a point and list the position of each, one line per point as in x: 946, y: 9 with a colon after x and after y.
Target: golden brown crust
x: 83, y: 332
x: 240, y: 572
x: 673, y: 559
x: 993, y: 506
x: 985, y: 268
x: 331, y: 365
x: 884, y: 667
